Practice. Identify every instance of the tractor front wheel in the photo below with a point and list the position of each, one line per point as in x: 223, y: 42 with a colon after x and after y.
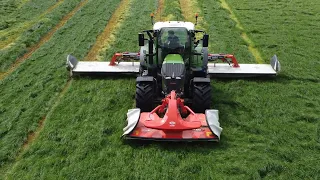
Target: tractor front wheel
x: 144, y: 96
x: 201, y: 97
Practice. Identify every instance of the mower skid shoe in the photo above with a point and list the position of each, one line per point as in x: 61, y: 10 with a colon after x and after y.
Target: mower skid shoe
x: 212, y: 117
x: 133, y: 116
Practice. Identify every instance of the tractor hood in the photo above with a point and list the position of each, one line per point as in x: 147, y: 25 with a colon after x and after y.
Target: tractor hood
x: 173, y: 58
x: 173, y: 72
x: 173, y: 66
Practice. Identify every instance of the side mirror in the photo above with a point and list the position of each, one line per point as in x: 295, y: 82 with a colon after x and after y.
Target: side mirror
x: 141, y: 39
x: 205, y: 41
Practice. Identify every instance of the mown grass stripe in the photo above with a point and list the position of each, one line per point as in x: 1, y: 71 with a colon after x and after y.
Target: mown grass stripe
x: 107, y: 37
x: 159, y: 12
x: 13, y: 34
x: 54, y: 109
x: 23, y: 2
x: 189, y: 8
x: 45, y: 87
x: 34, y: 135
x: 43, y: 40
x: 251, y: 47
x: 168, y: 11
x: 116, y: 17
x: 113, y: 22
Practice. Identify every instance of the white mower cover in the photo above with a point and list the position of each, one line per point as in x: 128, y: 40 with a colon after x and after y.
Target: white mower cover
x: 99, y: 67
x: 245, y: 70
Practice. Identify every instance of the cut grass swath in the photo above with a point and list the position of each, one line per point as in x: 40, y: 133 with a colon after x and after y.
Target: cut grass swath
x: 94, y: 52
x: 22, y: 2
x: 291, y: 34
x: 32, y: 136
x: 31, y: 36
x: 42, y: 41
x: 13, y: 34
x: 255, y: 52
x: 29, y: 92
x: 105, y: 95
x: 224, y: 36
x: 168, y: 11
x: 189, y: 9
x: 107, y: 37
x: 159, y: 12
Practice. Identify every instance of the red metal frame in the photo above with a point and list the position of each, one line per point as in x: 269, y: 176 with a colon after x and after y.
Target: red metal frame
x: 172, y: 120
x: 128, y: 55
x: 123, y: 56
x: 166, y: 123
x: 114, y: 58
x: 224, y: 58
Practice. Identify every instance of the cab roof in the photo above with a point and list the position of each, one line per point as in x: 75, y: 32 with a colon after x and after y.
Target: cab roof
x: 188, y: 25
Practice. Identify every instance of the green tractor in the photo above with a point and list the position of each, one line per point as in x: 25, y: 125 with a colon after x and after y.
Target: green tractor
x: 172, y: 59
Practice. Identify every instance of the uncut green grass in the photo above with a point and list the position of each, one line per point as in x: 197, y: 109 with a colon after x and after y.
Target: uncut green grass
x: 29, y: 92
x: 224, y: 36
x: 288, y: 28
x: 271, y: 127
x: 276, y: 122
x: 29, y: 14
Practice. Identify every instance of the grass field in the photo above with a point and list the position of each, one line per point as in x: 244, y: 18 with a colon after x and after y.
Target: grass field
x: 53, y: 127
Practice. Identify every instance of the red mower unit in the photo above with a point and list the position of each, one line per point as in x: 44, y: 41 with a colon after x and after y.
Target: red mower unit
x: 173, y: 121
x: 174, y: 71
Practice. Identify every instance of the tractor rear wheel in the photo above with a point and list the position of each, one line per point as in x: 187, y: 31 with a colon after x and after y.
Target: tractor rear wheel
x: 144, y: 96
x: 201, y: 97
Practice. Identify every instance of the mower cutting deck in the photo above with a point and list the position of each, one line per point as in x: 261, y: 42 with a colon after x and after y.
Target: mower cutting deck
x: 173, y: 121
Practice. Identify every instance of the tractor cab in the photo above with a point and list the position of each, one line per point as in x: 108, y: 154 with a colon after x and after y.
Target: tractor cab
x: 173, y: 37
x: 173, y: 45
x: 170, y: 55
x: 173, y: 40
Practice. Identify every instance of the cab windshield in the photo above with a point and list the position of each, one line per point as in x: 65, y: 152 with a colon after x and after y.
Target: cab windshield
x: 173, y: 40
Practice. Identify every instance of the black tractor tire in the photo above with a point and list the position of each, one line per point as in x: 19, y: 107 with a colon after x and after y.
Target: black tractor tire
x: 145, y: 96
x: 201, y: 99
